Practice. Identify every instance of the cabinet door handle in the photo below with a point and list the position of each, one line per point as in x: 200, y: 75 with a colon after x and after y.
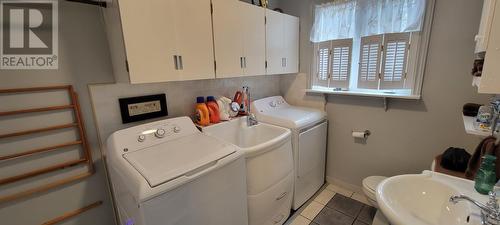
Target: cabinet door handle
x: 286, y: 61
x: 176, y: 63
x: 241, y: 62
x: 181, y: 66
x: 245, y: 61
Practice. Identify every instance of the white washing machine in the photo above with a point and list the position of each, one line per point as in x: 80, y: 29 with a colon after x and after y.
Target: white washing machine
x: 309, y: 137
x: 168, y: 172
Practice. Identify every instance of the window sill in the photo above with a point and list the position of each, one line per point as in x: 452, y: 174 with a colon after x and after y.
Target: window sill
x: 363, y: 93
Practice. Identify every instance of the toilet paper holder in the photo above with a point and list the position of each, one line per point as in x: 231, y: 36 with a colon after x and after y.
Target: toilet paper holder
x: 361, y: 134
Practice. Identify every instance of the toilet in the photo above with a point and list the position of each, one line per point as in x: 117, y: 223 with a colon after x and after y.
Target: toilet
x: 370, y: 185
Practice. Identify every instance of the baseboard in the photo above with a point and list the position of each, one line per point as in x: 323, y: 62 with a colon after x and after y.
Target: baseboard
x: 344, y: 184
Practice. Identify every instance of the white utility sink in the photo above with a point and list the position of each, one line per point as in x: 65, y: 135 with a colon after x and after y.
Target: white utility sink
x: 423, y: 199
x: 250, y: 139
x: 269, y: 165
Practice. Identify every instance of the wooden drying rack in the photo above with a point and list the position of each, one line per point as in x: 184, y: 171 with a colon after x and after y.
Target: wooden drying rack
x: 85, y: 159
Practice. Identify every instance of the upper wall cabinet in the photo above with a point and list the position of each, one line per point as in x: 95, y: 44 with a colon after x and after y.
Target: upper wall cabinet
x: 485, y: 26
x: 489, y: 41
x: 167, y: 40
x: 172, y: 40
x: 282, y: 43
x: 239, y: 37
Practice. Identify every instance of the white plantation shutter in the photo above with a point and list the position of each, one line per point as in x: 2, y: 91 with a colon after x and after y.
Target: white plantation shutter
x: 395, y: 58
x: 341, y: 53
x: 369, y: 61
x: 322, y: 61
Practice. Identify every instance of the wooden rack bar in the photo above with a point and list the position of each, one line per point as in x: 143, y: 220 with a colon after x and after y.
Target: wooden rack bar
x: 22, y: 111
x: 34, y: 89
x: 87, y: 158
x: 42, y: 171
x: 39, y: 130
x: 40, y: 150
x: 45, y: 187
x: 81, y: 127
x: 72, y: 213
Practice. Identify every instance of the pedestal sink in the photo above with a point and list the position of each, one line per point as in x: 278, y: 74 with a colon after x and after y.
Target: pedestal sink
x: 423, y: 199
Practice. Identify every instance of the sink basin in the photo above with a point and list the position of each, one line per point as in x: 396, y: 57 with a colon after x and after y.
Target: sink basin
x: 249, y: 139
x: 423, y: 199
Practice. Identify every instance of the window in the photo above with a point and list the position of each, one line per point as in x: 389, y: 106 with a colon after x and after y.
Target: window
x: 370, y: 47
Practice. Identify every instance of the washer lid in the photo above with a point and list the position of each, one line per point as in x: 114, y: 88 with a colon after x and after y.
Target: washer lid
x: 167, y: 161
x: 371, y: 183
x: 291, y: 116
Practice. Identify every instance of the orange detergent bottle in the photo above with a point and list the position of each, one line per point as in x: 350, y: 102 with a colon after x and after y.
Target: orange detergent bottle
x: 202, y: 115
x: 213, y: 109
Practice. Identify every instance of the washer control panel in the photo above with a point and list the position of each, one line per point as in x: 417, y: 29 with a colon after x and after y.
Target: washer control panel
x: 269, y: 103
x: 158, y: 131
x: 143, y: 136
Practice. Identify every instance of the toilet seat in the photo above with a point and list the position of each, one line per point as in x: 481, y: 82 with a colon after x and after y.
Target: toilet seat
x: 370, y: 185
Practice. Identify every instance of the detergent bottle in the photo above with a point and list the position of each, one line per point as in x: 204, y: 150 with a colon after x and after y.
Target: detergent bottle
x: 213, y: 109
x: 202, y: 116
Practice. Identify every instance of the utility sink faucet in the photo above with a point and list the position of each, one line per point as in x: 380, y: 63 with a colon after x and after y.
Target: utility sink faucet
x: 251, y: 119
x: 490, y: 213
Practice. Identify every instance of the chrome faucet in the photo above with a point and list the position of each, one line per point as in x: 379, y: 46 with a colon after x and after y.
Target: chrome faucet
x: 490, y: 213
x: 251, y: 119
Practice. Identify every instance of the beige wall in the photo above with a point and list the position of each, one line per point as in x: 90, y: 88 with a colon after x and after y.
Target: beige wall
x: 406, y: 137
x: 84, y: 59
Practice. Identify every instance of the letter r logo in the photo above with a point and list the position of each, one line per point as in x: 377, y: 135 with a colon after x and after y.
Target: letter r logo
x: 29, y: 34
x: 27, y: 28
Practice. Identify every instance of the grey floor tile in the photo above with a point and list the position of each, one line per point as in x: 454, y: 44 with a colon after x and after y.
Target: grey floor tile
x: 345, y: 205
x: 358, y: 222
x: 367, y: 213
x: 329, y: 216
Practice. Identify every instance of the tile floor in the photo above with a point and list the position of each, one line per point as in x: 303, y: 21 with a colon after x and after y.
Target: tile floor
x: 334, y: 205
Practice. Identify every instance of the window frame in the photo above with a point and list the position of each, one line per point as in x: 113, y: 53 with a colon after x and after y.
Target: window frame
x: 415, y: 68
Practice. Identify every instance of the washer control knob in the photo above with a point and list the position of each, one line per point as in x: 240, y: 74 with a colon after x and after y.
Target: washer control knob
x: 141, y: 138
x: 177, y: 129
x: 160, y: 133
x: 272, y: 104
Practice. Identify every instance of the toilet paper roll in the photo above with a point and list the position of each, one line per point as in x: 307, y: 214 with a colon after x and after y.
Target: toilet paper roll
x: 358, y: 134
x: 361, y: 134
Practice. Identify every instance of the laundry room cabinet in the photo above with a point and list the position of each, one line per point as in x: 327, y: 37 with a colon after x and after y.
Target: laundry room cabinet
x: 239, y: 38
x: 488, y: 41
x: 155, y: 41
x: 167, y: 40
x: 282, y: 43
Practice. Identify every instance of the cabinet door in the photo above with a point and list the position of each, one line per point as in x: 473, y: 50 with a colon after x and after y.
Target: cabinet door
x: 485, y: 25
x: 193, y: 31
x: 254, y: 39
x: 490, y: 79
x: 148, y: 32
x: 291, y: 41
x: 228, y: 38
x: 274, y: 42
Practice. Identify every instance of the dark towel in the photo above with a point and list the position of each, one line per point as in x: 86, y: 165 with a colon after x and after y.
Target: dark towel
x: 455, y: 159
x: 487, y: 146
